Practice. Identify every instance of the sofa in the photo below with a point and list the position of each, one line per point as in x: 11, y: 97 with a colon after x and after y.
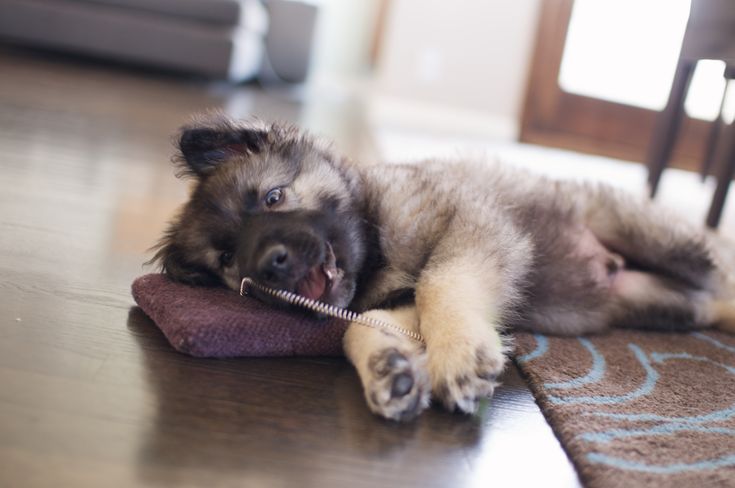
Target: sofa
x: 221, y: 39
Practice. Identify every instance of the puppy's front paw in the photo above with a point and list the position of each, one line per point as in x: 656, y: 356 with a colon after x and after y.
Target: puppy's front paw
x: 465, y: 372
x: 398, y: 387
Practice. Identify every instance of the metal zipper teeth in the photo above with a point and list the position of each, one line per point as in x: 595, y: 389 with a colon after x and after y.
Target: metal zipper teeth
x: 326, y: 309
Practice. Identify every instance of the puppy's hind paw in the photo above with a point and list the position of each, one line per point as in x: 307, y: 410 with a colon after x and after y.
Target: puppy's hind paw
x: 399, y: 386
x: 723, y: 315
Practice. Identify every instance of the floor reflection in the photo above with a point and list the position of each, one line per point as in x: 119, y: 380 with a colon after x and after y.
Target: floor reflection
x: 301, y: 419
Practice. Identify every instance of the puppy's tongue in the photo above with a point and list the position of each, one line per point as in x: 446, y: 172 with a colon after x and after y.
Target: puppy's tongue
x: 312, y: 285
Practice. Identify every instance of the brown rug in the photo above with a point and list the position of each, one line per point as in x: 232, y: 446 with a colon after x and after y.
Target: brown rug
x: 636, y: 408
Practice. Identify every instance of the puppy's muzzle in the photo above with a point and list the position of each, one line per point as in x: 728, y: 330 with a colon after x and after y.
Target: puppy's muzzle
x: 284, y: 250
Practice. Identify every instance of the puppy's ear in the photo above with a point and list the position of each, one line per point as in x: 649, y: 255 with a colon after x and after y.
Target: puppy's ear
x: 203, y: 148
x: 171, y: 260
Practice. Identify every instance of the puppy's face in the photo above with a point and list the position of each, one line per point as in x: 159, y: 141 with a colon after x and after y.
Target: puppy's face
x: 269, y: 203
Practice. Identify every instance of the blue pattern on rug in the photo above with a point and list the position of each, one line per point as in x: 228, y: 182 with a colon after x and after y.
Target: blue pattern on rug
x: 713, y: 341
x: 647, y: 387
x: 666, y: 425
x: 626, y: 465
x: 542, y: 345
x: 595, y: 374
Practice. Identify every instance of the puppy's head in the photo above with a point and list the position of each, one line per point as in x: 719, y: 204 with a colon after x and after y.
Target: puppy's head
x: 268, y: 202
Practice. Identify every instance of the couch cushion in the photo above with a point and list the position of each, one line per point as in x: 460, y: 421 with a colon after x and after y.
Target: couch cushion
x: 227, y: 12
x: 162, y: 41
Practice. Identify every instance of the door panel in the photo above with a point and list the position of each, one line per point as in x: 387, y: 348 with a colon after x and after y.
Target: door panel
x: 613, y: 109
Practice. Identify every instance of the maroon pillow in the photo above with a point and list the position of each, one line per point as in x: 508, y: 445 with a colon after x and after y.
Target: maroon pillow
x: 216, y: 322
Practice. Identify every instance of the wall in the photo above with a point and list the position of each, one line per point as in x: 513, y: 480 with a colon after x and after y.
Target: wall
x: 343, y: 36
x: 463, y: 61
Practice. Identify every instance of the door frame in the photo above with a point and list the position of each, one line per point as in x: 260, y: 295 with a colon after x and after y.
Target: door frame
x: 553, y: 117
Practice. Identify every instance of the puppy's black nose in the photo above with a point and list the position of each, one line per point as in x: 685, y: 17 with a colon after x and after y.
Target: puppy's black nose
x: 274, y: 262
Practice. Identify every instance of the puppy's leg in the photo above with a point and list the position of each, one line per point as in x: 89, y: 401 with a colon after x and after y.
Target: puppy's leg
x: 459, y: 320
x: 392, y: 367
x: 650, y: 237
x: 646, y: 300
x: 679, y: 257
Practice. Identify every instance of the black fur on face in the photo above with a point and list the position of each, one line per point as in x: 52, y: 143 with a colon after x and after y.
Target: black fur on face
x: 268, y: 202
x: 302, y: 251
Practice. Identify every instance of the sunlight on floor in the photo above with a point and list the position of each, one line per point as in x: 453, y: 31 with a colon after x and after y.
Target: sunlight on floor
x: 682, y: 191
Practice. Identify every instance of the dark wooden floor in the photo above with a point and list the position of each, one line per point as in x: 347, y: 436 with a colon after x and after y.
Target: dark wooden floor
x: 90, y: 392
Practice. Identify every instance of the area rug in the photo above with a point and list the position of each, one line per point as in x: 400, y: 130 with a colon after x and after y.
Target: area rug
x: 636, y: 408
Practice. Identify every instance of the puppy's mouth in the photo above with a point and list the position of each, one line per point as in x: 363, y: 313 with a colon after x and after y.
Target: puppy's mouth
x: 320, y: 280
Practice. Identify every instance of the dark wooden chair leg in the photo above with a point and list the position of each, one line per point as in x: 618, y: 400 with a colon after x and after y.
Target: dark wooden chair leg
x: 726, y: 170
x: 711, y: 147
x: 714, y: 134
x: 667, y: 125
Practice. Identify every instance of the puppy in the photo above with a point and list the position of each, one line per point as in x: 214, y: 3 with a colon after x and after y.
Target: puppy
x: 456, y: 250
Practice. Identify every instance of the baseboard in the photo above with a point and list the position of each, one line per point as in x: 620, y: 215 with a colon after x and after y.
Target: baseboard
x: 400, y: 113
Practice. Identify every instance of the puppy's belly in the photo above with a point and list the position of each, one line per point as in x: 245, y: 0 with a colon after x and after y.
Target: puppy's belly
x: 572, y: 283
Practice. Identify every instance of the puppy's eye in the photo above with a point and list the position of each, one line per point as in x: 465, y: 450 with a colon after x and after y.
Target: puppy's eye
x: 273, y: 197
x: 225, y: 259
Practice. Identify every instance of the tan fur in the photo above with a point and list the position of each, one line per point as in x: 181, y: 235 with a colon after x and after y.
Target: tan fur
x: 460, y: 322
